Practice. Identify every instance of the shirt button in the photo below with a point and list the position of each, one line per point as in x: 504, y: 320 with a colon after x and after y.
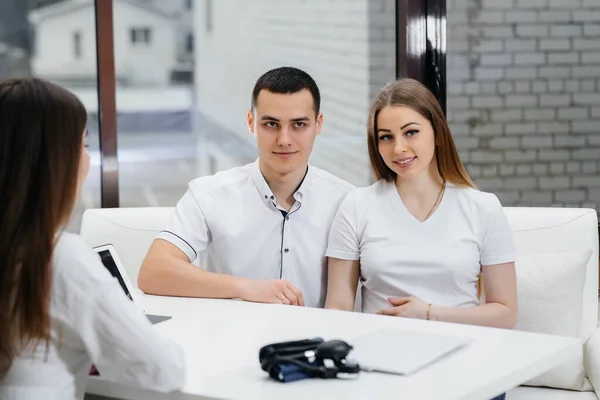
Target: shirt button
x: 287, y: 250
x: 287, y: 218
x: 266, y: 197
x: 272, y: 197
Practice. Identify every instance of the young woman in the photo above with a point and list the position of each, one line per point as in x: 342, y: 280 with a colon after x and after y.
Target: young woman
x: 60, y: 309
x: 419, y: 237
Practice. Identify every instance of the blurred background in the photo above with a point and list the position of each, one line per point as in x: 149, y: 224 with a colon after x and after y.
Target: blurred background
x: 521, y: 83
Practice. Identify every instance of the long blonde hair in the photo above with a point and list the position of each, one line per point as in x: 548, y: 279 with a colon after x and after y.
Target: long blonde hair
x: 413, y: 94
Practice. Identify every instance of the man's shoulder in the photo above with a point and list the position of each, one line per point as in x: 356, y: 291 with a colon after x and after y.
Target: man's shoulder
x: 322, y: 177
x: 230, y: 179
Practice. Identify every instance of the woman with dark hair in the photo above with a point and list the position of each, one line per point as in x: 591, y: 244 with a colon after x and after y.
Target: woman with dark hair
x: 60, y: 309
x: 421, y: 238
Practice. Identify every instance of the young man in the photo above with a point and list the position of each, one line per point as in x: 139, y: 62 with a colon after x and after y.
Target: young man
x: 259, y: 231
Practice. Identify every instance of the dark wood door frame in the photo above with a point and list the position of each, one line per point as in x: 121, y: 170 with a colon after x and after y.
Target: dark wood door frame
x: 107, y: 110
x: 421, y: 44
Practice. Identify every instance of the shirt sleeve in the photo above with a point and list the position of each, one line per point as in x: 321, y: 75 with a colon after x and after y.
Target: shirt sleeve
x: 498, y: 244
x: 115, y: 333
x: 343, y: 237
x: 187, y: 228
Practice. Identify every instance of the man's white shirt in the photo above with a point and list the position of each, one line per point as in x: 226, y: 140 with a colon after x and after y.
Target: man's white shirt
x: 231, y: 223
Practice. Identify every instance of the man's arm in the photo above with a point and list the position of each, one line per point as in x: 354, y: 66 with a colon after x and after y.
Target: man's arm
x: 167, y: 271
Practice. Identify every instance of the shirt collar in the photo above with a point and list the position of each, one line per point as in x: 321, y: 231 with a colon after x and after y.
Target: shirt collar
x: 260, y: 182
x: 264, y: 189
x: 303, y: 188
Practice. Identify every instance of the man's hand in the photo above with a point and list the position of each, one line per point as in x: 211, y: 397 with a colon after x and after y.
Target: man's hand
x: 272, y: 291
x: 409, y: 307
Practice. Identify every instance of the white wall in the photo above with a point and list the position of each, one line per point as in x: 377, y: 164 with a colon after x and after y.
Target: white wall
x: 54, y: 56
x: 183, y: 25
x: 144, y: 65
x: 328, y: 39
x: 139, y: 99
x: 174, y: 7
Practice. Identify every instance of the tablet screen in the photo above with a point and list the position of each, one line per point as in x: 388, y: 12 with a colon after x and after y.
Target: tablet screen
x: 110, y: 265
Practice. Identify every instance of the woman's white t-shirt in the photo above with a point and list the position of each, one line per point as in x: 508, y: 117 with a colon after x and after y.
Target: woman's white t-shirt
x: 93, y: 321
x: 437, y: 260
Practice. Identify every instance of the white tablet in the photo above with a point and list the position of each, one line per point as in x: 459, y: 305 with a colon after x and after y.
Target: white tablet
x: 108, y: 255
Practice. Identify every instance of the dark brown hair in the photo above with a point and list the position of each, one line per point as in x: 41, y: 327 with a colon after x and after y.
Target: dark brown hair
x: 413, y: 94
x: 41, y: 127
x: 286, y: 80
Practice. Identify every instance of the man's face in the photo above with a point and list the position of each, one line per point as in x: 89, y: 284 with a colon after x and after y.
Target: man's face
x: 285, y: 126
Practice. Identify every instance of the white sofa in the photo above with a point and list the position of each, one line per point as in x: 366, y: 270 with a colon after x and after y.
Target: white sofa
x: 130, y: 230
x: 556, y: 230
x: 536, y: 231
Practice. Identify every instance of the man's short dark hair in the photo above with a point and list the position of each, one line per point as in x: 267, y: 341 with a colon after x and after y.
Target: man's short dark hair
x: 286, y: 80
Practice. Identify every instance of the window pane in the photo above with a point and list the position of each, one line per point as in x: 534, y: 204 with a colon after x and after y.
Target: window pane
x: 147, y: 37
x: 56, y: 41
x: 186, y: 116
x: 77, y: 44
x: 523, y: 99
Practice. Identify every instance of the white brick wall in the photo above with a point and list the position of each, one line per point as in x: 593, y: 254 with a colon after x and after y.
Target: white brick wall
x: 346, y: 45
x: 523, y: 102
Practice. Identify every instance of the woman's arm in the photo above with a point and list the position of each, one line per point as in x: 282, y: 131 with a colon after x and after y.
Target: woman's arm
x: 122, y: 343
x: 342, y: 282
x: 343, y: 255
x: 110, y: 328
x: 499, y: 277
x: 500, y: 309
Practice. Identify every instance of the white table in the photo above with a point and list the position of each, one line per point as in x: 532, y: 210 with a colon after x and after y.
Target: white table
x: 221, y: 339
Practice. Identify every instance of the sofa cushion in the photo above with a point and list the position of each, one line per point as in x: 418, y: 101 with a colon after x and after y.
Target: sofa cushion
x: 541, y: 393
x: 539, y: 230
x: 130, y: 230
x: 550, y: 288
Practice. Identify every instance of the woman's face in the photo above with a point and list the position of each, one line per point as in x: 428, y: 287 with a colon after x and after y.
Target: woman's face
x: 406, y: 141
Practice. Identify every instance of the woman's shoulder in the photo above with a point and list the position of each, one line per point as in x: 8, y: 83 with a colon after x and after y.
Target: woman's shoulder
x: 476, y: 197
x: 74, y: 263
x: 71, y: 247
x: 475, y: 202
x: 372, y: 192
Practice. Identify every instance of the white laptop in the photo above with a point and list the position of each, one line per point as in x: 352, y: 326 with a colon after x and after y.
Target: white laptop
x: 108, y: 255
x: 400, y: 352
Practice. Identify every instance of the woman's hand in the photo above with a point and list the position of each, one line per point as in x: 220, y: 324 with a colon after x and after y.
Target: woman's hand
x: 409, y: 307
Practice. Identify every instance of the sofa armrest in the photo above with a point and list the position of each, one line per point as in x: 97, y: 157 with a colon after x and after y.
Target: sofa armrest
x: 591, y: 360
